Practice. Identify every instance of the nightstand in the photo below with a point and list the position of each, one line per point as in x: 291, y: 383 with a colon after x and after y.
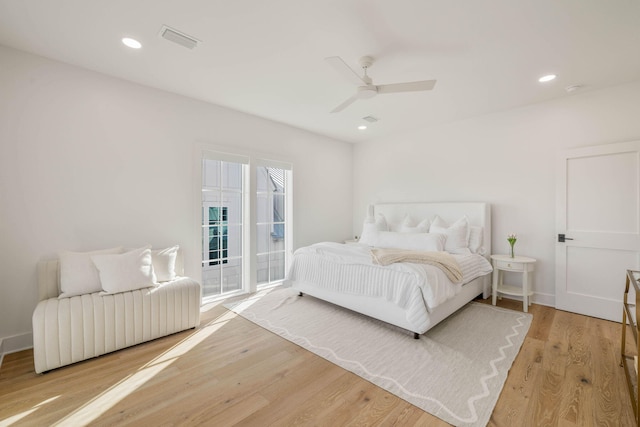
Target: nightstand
x: 518, y: 264
x: 351, y: 242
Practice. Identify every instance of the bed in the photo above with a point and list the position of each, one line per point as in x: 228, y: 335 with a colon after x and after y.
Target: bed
x: 414, y: 297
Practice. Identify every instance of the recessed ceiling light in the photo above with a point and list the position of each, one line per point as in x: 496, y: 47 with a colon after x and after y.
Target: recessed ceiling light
x: 547, y: 78
x: 132, y: 43
x: 362, y: 127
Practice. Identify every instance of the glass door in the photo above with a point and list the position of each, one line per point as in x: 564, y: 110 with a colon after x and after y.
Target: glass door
x: 223, y: 194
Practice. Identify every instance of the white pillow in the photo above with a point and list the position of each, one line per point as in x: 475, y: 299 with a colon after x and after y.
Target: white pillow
x: 425, y: 242
x: 457, y: 234
x: 164, y: 263
x: 475, y: 239
x: 78, y: 274
x: 371, y: 227
x: 408, y: 226
x: 125, y: 272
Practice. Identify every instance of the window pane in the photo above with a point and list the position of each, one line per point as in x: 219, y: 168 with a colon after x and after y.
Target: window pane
x: 233, y: 205
x: 263, y: 268
x: 232, y: 276
x: 211, y: 173
x: 211, y: 280
x: 231, y: 176
x: 276, y: 266
x: 263, y: 234
x: 234, y: 240
x: 276, y: 178
x: 279, y: 207
x: 262, y: 179
x: 263, y: 211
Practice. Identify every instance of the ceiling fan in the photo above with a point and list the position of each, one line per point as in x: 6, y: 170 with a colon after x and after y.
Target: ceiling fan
x: 366, y: 89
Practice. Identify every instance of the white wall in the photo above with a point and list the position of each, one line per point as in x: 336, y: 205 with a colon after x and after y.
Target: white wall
x: 506, y: 159
x: 89, y: 161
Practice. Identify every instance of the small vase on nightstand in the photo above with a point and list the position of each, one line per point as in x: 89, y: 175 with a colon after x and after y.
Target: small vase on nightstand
x: 512, y: 238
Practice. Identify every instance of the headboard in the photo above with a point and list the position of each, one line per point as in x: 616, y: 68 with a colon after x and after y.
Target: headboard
x: 479, y: 214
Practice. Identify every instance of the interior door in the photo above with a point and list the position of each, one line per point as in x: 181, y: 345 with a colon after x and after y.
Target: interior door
x: 598, y: 211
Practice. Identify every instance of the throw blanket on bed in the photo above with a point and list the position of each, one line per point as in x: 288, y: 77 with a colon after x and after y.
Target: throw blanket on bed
x: 443, y: 260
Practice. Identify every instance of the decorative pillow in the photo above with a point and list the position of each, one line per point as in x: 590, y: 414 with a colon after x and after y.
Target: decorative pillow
x: 78, y: 274
x: 408, y: 226
x: 371, y: 227
x: 425, y: 242
x: 164, y: 263
x: 475, y: 239
x: 457, y: 234
x: 125, y: 272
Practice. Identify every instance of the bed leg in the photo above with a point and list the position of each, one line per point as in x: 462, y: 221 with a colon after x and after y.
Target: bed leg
x: 416, y: 336
x: 300, y: 294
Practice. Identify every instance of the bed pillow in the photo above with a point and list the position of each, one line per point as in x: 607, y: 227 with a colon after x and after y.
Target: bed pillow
x: 125, y: 272
x: 371, y: 227
x: 476, y: 239
x: 408, y: 225
x: 78, y: 274
x: 164, y: 263
x: 425, y: 242
x: 457, y: 234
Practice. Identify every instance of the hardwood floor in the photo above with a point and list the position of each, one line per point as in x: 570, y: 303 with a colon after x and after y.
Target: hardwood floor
x: 232, y: 372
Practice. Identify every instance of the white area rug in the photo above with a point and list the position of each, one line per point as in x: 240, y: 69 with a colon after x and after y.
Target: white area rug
x: 455, y: 371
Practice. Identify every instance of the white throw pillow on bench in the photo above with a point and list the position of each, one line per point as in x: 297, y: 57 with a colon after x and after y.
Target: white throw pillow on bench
x: 164, y: 263
x: 78, y: 274
x: 125, y: 272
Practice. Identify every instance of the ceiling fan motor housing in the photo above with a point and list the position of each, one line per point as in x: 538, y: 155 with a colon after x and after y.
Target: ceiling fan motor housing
x: 366, y: 92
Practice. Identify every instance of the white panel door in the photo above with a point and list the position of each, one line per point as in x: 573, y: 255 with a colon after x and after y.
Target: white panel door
x: 598, y: 211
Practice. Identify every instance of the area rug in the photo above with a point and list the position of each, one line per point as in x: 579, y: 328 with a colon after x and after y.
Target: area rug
x: 455, y: 371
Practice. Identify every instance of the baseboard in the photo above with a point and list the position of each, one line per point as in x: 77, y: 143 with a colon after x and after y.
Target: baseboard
x: 544, y: 299
x: 537, y: 298
x: 15, y: 343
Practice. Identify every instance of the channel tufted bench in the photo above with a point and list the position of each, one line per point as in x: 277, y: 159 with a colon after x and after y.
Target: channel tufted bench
x: 70, y: 329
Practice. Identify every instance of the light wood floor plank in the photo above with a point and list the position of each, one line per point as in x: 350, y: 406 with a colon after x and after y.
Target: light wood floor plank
x: 511, y: 409
x: 232, y: 372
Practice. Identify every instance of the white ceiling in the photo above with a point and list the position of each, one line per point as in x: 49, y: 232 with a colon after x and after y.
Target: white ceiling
x: 267, y: 57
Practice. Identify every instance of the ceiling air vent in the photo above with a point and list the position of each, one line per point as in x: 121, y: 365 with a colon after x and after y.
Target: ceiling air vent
x: 370, y: 119
x: 178, y: 37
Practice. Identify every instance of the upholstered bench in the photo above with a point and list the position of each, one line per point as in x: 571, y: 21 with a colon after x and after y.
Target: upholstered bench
x: 70, y: 329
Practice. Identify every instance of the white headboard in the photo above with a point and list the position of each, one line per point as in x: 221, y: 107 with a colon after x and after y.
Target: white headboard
x: 479, y: 214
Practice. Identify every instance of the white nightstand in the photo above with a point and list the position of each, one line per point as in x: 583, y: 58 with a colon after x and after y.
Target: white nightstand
x: 519, y: 264
x: 351, y: 242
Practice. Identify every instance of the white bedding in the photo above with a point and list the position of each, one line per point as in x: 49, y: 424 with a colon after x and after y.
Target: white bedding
x: 349, y: 269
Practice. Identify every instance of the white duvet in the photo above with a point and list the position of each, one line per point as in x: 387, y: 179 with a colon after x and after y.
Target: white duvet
x: 349, y: 269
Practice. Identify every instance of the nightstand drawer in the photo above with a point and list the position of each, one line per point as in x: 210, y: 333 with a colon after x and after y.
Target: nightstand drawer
x: 510, y: 265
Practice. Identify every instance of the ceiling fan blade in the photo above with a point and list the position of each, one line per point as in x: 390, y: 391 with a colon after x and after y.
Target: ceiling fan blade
x: 407, y: 87
x: 341, y: 67
x: 345, y: 104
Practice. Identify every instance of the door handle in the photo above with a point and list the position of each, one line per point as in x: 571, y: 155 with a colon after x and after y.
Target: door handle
x: 562, y: 238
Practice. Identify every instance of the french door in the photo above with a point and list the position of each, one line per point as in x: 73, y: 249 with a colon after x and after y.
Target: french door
x: 245, y: 223
x: 224, y: 182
